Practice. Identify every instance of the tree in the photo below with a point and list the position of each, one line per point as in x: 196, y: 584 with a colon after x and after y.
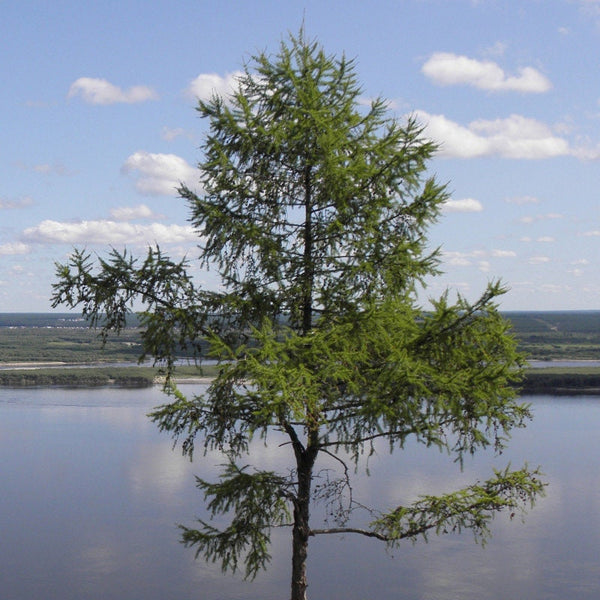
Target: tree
x: 314, y: 211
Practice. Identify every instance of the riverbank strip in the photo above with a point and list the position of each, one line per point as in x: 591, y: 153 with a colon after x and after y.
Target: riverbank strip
x: 550, y: 380
x: 44, y: 375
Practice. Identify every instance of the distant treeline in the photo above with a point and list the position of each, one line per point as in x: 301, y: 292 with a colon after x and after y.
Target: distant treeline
x: 569, y: 335
x: 65, y: 337
x: 557, y: 381
x: 553, y: 381
x: 75, y: 377
x: 137, y: 377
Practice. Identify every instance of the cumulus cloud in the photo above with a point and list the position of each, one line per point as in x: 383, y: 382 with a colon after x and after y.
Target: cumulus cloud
x: 463, y: 205
x: 13, y: 248
x: 445, y: 68
x: 546, y: 239
x: 129, y: 213
x: 100, y: 91
x: 593, y: 233
x: 513, y: 137
x: 206, y: 85
x: 108, y: 232
x: 160, y: 174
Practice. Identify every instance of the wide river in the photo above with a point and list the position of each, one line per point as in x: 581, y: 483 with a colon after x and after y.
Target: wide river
x: 91, y: 494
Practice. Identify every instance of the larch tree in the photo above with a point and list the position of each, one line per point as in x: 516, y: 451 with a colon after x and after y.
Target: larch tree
x: 313, y: 212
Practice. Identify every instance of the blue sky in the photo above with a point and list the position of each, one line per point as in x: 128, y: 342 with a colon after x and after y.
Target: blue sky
x: 98, y: 127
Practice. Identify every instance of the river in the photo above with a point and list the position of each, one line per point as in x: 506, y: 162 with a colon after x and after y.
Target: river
x: 92, y: 492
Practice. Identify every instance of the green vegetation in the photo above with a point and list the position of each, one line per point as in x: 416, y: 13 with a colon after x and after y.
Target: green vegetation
x: 562, y: 380
x: 97, y: 376
x: 66, y: 338
x: 74, y: 377
x: 314, y: 214
x: 74, y: 345
x: 570, y: 335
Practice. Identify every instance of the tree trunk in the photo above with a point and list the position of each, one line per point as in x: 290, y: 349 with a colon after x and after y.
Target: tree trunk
x: 301, y: 528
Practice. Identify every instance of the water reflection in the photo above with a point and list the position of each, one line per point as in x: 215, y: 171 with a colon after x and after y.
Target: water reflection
x: 92, y: 492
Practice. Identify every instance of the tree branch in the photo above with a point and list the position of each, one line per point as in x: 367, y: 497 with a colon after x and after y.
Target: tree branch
x: 334, y: 530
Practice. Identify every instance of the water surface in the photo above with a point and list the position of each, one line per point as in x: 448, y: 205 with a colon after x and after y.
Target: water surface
x: 92, y: 492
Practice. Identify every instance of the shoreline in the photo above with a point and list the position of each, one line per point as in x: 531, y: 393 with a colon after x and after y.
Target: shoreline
x: 551, y: 379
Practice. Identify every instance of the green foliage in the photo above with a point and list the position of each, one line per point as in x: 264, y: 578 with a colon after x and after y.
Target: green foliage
x: 259, y: 501
x: 471, y: 508
x: 573, y: 335
x: 314, y: 212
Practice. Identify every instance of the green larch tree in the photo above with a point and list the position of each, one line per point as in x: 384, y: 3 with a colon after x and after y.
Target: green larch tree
x: 313, y: 211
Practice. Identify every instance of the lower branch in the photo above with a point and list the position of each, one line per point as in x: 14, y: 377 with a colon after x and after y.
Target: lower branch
x: 334, y: 530
x: 471, y: 508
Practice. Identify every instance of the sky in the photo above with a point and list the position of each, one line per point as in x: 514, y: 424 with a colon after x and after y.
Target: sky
x: 98, y: 127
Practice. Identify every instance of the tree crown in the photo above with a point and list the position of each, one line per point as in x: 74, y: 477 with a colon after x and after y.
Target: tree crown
x: 314, y: 211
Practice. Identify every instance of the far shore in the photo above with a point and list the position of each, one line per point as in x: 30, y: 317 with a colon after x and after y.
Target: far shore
x: 553, y: 379
x: 36, y: 364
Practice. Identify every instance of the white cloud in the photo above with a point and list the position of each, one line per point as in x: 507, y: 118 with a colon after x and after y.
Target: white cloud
x: 160, y: 174
x: 513, y: 137
x: 445, y: 68
x: 520, y: 200
x: 206, y: 85
x: 484, y: 266
x: 463, y: 205
x: 496, y: 49
x: 504, y: 253
x: 14, y: 204
x: 108, y: 232
x: 546, y: 239
x: 534, y: 219
x: 456, y: 259
x: 170, y: 134
x: 48, y: 169
x: 13, y: 248
x: 100, y: 91
x: 593, y: 233
x: 129, y: 213
x: 538, y: 260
